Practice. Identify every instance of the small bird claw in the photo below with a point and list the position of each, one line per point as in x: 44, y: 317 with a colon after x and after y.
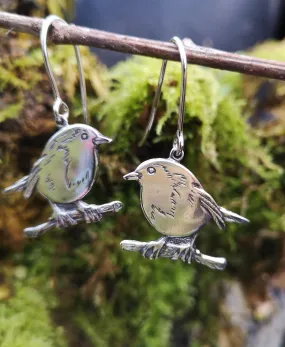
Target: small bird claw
x: 91, y: 215
x: 152, y: 249
x: 184, y: 253
x: 64, y: 220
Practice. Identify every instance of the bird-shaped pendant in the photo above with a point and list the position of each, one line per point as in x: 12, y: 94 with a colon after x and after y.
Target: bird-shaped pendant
x: 172, y: 199
x: 64, y: 174
x: 176, y: 205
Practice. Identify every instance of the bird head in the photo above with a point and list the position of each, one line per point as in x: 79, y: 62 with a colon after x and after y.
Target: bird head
x: 151, y: 172
x: 91, y: 136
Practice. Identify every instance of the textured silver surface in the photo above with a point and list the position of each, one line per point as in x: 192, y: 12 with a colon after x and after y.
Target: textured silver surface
x: 64, y: 174
x: 172, y: 250
x: 176, y: 205
x: 67, y: 168
x: 68, y: 165
x: 75, y: 214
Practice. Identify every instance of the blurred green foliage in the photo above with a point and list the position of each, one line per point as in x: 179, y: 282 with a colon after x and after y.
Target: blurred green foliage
x: 115, y: 298
x: 25, y: 318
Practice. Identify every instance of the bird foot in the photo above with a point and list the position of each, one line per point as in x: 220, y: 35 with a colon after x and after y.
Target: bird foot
x: 64, y: 220
x: 153, y: 248
x: 90, y: 212
x: 91, y: 215
x: 184, y: 252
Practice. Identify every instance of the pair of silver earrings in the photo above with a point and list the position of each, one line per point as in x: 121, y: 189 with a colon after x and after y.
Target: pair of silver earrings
x: 172, y: 199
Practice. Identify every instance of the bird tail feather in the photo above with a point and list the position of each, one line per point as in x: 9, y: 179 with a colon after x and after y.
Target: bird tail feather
x: 232, y: 217
x: 18, y: 186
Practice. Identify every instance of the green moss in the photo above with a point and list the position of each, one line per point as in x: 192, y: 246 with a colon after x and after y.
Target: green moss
x: 270, y: 49
x: 11, y: 111
x: 211, y: 103
x: 147, y: 297
x: 25, y: 319
x: 25, y: 73
x: 119, y: 298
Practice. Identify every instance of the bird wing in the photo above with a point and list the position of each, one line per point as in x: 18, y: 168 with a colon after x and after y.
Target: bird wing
x: 33, y: 178
x: 209, y: 206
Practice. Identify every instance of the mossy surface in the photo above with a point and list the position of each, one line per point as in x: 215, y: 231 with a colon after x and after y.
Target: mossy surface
x: 25, y: 318
x: 80, y: 280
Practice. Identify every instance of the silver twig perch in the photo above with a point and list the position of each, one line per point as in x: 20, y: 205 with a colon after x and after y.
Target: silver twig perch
x: 171, y: 249
x: 76, y: 215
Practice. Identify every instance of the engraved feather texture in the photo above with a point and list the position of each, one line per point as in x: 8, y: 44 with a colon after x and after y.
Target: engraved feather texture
x: 64, y: 174
x: 168, y: 198
x: 176, y: 205
x: 68, y: 165
x: 174, y: 201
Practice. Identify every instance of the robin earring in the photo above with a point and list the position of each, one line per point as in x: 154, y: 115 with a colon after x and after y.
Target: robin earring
x: 67, y: 168
x: 172, y: 199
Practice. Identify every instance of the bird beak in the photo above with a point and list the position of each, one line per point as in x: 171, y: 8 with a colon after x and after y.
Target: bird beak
x: 99, y: 140
x: 132, y: 176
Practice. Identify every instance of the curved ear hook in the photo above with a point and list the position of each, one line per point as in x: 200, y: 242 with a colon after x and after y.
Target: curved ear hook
x: 177, y: 152
x: 60, y: 108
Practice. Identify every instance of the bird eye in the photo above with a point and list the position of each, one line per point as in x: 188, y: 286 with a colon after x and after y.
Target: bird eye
x: 151, y: 170
x: 84, y: 136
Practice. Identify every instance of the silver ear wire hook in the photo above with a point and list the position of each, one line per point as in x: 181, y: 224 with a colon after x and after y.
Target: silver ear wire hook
x: 60, y: 108
x: 62, y: 184
x: 191, y: 206
x: 177, y: 152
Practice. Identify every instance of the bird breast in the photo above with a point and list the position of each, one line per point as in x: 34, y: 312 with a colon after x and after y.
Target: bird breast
x: 172, y: 209
x: 68, y: 172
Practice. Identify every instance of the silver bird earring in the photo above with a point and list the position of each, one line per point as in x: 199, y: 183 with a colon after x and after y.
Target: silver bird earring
x: 67, y: 168
x: 172, y: 199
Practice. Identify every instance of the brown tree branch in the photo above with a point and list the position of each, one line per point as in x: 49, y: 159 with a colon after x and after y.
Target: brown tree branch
x: 71, y: 34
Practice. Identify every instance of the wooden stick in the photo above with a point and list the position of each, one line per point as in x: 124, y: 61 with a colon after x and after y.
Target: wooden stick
x: 71, y: 34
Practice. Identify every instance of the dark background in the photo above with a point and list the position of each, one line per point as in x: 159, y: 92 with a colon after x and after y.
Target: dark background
x: 229, y: 25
